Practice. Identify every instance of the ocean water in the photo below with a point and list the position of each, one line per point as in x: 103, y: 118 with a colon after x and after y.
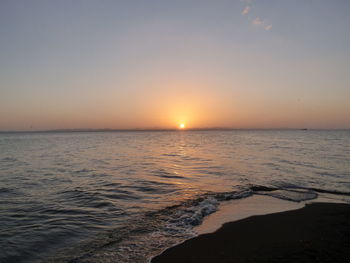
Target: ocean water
x: 126, y: 196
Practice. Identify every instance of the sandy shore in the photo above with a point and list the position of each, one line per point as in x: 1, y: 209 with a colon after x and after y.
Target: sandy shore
x: 319, y: 232
x: 234, y: 210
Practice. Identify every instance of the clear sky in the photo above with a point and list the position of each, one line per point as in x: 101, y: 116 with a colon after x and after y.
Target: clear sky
x: 159, y: 63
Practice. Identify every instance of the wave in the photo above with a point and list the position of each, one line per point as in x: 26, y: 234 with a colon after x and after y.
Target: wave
x: 154, y: 231
x: 8, y: 191
x: 291, y: 195
x: 164, y: 174
x: 150, y: 233
x: 8, y: 159
x: 325, y: 191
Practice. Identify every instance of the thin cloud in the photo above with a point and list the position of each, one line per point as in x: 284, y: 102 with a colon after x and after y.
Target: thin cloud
x: 268, y: 27
x: 261, y: 23
x: 257, y: 21
x: 246, y: 10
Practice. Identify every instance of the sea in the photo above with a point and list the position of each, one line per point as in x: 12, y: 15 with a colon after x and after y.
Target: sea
x: 125, y: 196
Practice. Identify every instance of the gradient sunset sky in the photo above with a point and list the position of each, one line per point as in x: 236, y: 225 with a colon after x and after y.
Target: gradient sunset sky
x: 156, y: 64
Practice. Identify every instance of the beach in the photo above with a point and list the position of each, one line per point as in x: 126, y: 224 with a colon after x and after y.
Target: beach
x: 174, y: 131
x: 318, y: 232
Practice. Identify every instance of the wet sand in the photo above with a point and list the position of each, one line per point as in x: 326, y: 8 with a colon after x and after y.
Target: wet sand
x: 234, y: 210
x: 318, y: 232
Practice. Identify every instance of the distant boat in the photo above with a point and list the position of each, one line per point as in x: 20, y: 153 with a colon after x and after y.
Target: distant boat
x: 304, y: 129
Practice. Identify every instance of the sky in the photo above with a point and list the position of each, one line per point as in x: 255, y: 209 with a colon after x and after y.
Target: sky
x: 159, y: 63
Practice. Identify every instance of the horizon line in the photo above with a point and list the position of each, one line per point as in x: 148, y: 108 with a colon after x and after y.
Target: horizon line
x: 157, y: 129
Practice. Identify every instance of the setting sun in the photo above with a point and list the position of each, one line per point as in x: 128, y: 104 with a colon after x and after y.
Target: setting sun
x: 182, y: 126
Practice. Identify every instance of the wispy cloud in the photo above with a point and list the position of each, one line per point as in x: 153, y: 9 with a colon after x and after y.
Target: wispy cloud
x: 258, y: 22
x: 261, y: 23
x: 268, y: 27
x: 246, y: 10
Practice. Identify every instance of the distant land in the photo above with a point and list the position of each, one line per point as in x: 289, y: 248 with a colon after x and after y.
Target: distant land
x: 160, y: 130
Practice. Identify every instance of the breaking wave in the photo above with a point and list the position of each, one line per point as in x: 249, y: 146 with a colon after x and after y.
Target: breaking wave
x: 155, y: 231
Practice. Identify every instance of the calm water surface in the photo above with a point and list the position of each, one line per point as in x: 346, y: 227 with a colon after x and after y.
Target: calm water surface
x: 125, y: 196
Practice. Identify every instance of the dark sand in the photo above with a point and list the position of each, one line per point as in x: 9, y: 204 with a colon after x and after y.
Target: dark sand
x: 319, y: 232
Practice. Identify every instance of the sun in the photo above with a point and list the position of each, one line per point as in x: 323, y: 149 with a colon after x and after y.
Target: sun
x: 182, y: 126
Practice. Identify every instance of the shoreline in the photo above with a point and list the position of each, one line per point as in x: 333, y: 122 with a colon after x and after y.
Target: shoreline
x: 237, y: 209
x: 317, y: 232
